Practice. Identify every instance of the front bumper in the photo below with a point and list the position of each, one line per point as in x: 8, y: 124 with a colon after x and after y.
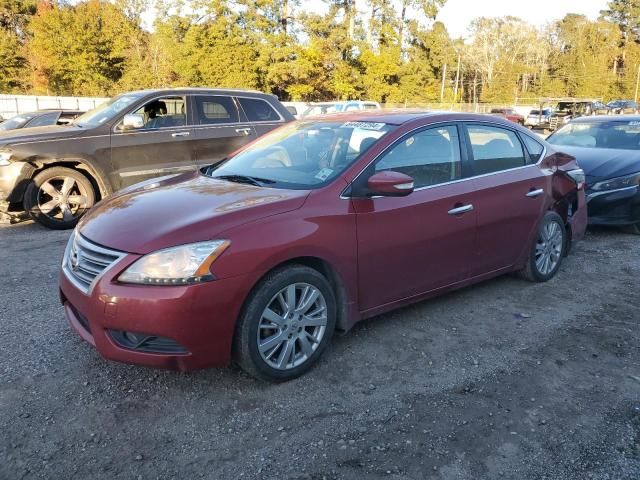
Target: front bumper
x: 13, y: 181
x: 614, y: 207
x: 199, y: 318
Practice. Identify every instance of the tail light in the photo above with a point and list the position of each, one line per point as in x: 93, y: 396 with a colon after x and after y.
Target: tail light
x: 577, y: 176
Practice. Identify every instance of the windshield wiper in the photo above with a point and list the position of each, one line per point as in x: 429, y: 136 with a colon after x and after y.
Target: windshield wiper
x: 258, y: 182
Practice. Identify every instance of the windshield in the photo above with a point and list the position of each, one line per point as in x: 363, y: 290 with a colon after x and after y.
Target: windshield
x: 613, y: 134
x: 15, y: 122
x: 106, y: 111
x: 301, y: 155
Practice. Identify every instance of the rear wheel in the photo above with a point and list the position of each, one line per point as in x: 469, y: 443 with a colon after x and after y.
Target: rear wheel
x: 286, y: 325
x: 547, y: 250
x: 58, y: 196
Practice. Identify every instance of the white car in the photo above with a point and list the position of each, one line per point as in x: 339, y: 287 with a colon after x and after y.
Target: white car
x: 537, y: 118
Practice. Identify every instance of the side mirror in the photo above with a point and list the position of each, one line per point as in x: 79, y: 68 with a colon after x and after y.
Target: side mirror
x: 132, y: 121
x: 390, y: 184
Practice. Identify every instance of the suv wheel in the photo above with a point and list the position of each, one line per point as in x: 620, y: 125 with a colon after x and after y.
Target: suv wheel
x: 287, y: 323
x: 58, y: 196
x: 547, y: 250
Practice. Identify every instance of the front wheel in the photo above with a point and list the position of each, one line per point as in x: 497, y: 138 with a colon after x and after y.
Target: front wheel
x: 286, y: 324
x: 58, y: 196
x: 547, y: 250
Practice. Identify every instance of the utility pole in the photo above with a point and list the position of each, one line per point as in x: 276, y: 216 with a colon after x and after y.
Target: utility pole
x: 635, y: 98
x: 455, y: 90
x: 444, y: 74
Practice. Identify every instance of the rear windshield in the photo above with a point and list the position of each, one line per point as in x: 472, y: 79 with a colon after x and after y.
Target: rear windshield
x: 613, y: 134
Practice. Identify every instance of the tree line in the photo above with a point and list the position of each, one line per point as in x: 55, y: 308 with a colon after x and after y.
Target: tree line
x: 391, y: 51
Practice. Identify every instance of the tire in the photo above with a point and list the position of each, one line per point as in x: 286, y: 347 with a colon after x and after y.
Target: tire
x: 57, y: 197
x: 550, y: 242
x: 267, y: 333
x: 634, y: 229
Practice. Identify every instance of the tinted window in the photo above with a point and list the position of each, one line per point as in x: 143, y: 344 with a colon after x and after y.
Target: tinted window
x: 216, y: 109
x: 258, y: 110
x: 534, y: 148
x: 44, y: 120
x: 14, y: 122
x: 494, y: 149
x: 163, y: 112
x: 430, y: 157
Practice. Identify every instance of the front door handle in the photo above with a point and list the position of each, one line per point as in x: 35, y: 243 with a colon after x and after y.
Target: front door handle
x: 462, y: 209
x: 535, y: 193
x: 246, y: 131
x: 180, y: 134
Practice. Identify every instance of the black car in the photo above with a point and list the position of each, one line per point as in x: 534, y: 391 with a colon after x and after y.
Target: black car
x: 41, y: 118
x: 56, y: 173
x: 566, y: 111
x: 623, y: 106
x: 608, y: 150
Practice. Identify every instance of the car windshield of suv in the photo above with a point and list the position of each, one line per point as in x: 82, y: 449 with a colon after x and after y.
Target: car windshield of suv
x: 302, y: 155
x: 15, y: 122
x: 613, y: 134
x: 106, y: 111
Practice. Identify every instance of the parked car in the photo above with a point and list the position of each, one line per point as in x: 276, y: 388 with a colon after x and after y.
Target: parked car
x: 57, y: 173
x: 539, y: 118
x: 40, y: 118
x: 508, y: 113
x: 608, y: 150
x: 323, y: 108
x: 623, y: 106
x: 314, y: 227
x: 568, y: 110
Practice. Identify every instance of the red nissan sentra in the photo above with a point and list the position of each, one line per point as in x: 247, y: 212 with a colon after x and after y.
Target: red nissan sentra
x: 311, y: 228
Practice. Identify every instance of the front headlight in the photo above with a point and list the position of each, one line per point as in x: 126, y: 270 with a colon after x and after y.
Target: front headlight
x: 5, y: 156
x: 617, y: 183
x: 176, y: 265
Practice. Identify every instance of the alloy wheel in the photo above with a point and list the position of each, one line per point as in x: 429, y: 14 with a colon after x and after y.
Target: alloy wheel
x: 292, y: 326
x: 549, y: 248
x: 62, y: 198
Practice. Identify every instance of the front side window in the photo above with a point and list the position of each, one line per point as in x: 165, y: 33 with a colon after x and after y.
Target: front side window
x: 622, y: 135
x: 494, y: 149
x: 302, y: 155
x: 165, y: 112
x: 216, y: 109
x: 44, y: 120
x: 430, y: 157
x: 258, y: 110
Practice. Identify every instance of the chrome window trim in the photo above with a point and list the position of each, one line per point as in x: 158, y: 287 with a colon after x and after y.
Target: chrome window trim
x: 77, y: 238
x: 542, y: 156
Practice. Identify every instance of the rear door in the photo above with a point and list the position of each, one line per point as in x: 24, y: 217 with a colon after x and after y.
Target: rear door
x: 509, y: 196
x: 414, y: 244
x: 162, y: 146
x: 220, y: 128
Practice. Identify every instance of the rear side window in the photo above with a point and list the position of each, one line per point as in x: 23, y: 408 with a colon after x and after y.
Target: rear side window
x: 258, y: 110
x: 43, y: 120
x: 431, y: 156
x: 215, y: 109
x: 534, y: 148
x: 494, y: 149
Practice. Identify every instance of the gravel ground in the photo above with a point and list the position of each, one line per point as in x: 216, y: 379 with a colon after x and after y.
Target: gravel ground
x: 501, y: 380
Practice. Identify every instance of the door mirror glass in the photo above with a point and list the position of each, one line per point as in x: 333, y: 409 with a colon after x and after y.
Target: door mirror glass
x: 390, y: 184
x: 132, y: 121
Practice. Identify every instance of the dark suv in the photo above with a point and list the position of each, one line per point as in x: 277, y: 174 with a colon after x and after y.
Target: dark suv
x: 57, y: 173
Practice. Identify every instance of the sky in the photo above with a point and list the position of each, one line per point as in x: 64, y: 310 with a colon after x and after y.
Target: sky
x: 457, y: 14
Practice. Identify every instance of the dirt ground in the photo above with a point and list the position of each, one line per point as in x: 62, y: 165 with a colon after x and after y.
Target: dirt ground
x: 505, y: 379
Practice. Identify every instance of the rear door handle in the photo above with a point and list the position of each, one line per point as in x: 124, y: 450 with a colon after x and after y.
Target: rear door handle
x: 535, y: 193
x: 459, y: 210
x: 180, y: 134
x: 246, y: 131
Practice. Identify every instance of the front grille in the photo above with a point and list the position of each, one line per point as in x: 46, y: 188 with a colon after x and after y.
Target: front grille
x: 85, y: 261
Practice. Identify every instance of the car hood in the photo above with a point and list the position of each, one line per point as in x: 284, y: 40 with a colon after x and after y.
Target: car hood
x: 38, y: 134
x: 182, y: 209
x: 603, y: 163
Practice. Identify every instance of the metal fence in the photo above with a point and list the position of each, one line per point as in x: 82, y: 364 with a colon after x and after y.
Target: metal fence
x: 11, y: 105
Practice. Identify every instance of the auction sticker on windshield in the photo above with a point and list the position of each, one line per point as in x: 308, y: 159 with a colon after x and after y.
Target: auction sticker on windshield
x: 363, y: 125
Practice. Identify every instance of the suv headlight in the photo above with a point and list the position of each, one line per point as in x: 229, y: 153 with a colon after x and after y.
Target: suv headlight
x: 5, y: 156
x: 179, y: 265
x: 617, y: 183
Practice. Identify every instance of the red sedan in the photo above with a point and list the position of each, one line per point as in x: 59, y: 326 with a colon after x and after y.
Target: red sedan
x: 312, y: 228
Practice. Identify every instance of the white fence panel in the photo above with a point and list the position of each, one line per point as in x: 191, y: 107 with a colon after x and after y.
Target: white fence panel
x: 11, y: 105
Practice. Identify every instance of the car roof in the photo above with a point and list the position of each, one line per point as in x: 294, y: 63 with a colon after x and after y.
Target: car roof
x: 607, y: 118
x: 400, y: 117
x: 188, y: 90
